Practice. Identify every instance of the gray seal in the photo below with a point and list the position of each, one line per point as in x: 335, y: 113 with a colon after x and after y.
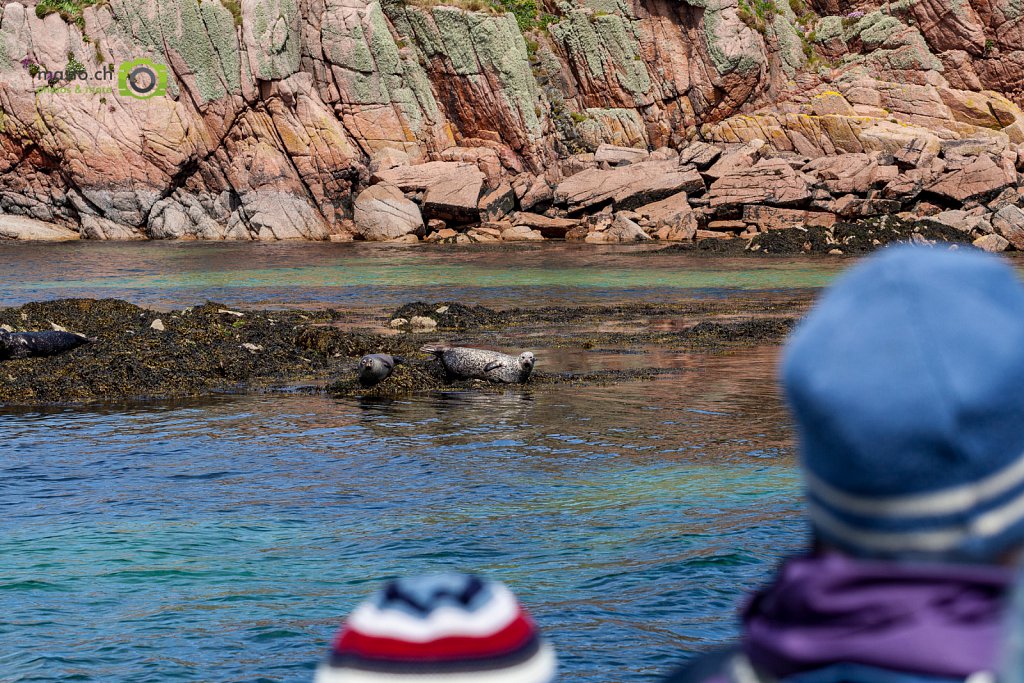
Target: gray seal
x: 466, y: 363
x: 377, y: 367
x: 30, y: 344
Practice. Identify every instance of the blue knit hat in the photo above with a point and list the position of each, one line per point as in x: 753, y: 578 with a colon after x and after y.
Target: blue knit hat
x: 907, y: 384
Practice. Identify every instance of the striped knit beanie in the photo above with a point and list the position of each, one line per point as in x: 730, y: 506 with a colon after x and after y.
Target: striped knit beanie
x: 452, y: 627
x: 907, y: 385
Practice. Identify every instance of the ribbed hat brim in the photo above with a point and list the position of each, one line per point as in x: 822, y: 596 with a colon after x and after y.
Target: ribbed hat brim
x: 540, y: 668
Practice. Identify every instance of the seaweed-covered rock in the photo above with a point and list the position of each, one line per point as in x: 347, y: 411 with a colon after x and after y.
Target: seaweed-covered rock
x: 449, y: 315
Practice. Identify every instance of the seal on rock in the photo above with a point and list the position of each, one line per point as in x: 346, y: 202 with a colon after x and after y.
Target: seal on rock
x: 466, y: 363
x: 377, y: 367
x: 30, y: 344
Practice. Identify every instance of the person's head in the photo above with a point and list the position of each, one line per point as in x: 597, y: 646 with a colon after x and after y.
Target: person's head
x: 452, y: 627
x: 907, y: 384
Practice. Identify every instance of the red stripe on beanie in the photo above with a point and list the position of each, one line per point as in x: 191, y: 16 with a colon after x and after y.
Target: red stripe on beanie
x: 509, y: 639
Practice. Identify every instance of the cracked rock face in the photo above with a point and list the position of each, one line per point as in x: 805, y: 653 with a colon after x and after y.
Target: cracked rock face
x: 276, y: 111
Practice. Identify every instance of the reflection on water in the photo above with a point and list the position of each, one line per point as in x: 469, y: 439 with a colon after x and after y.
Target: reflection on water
x: 224, y: 540
x: 172, y: 274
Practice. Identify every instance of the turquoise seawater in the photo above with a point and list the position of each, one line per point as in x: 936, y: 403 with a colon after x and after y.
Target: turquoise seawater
x: 367, y: 275
x: 225, y: 539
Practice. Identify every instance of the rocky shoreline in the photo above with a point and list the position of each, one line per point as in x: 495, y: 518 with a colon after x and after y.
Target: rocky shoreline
x: 770, y: 201
x: 142, y: 354
x: 499, y: 120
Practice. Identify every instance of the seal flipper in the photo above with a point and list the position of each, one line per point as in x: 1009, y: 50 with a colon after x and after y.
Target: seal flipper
x: 493, y: 365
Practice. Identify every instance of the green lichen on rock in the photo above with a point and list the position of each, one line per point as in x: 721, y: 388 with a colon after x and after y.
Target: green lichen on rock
x: 500, y: 47
x: 578, y: 38
x: 1012, y: 9
x: 274, y: 44
x: 185, y: 32
x: 616, y: 126
x: 722, y: 31
x: 453, y: 28
x: 220, y: 27
x: 891, y: 43
x: 421, y: 101
x: 346, y: 46
x: 620, y: 43
x: 604, y: 42
x: 828, y: 28
x: 203, y: 35
x: 6, y: 63
x: 381, y: 42
x: 361, y: 42
x: 875, y: 29
x: 789, y: 40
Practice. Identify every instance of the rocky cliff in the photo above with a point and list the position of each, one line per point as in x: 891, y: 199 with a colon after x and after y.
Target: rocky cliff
x: 512, y: 120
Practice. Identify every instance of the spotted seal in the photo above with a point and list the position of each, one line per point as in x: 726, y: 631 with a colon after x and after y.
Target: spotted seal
x: 466, y: 363
x: 377, y: 367
x: 29, y: 344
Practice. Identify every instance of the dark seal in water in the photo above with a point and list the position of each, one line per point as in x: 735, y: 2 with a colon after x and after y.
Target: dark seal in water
x: 377, y: 367
x: 29, y: 344
x: 466, y: 363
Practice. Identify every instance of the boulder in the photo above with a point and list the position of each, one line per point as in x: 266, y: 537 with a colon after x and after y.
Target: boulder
x: 477, y: 235
x: 964, y: 221
x: 846, y: 173
x: 917, y: 152
x: 774, y: 183
x: 497, y: 203
x: 382, y: 212
x: 727, y: 225
x: 539, y: 193
x: 743, y: 157
x: 627, y: 187
x: 420, y: 177
x: 455, y: 197
x: 850, y: 206
x: 451, y: 188
x: 714, y: 235
x: 700, y: 154
x: 1008, y: 197
x: 551, y: 228
x: 442, y: 235
x: 672, y: 217
x: 907, y: 185
x: 992, y: 243
x: 521, y: 233
x: 1009, y: 222
x: 21, y: 228
x: 619, y: 156
x: 980, y: 178
x: 388, y: 158
x: 773, y: 218
x: 620, y: 229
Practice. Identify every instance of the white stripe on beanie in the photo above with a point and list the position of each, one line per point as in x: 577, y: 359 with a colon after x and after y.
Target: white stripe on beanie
x: 987, y: 525
x: 540, y: 668
x: 444, y: 621
x: 932, y: 504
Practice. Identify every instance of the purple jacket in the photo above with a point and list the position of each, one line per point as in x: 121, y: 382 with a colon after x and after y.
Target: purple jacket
x: 925, y: 619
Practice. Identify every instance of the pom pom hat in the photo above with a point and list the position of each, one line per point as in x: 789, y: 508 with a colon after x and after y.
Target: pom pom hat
x: 907, y: 385
x: 452, y: 627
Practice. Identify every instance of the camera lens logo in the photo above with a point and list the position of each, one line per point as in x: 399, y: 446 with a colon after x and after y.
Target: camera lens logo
x: 142, y: 79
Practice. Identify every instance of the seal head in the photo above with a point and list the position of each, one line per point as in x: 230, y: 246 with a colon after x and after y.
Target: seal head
x: 377, y: 367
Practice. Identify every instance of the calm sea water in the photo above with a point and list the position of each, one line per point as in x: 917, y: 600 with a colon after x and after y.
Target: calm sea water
x: 225, y: 539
